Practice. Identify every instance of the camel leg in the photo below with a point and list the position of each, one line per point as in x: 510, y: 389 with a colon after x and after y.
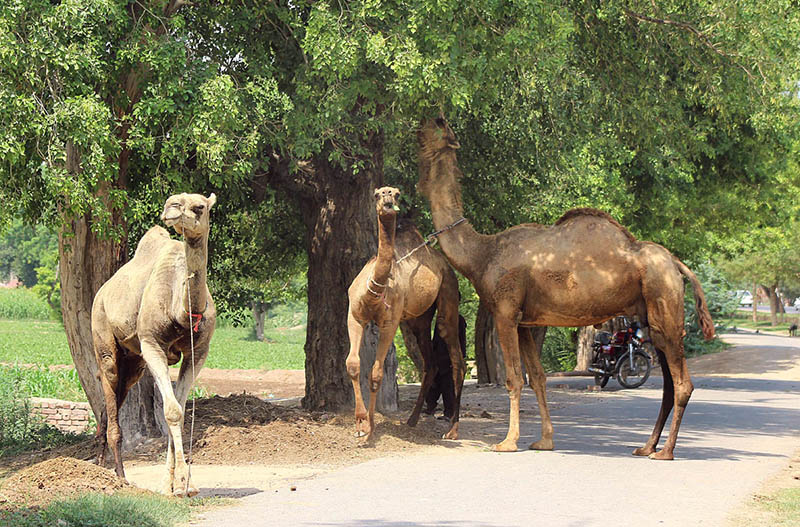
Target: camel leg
x: 667, y: 402
x: 509, y: 343
x: 530, y: 347
x: 182, y: 388
x: 355, y: 331
x: 173, y: 413
x: 448, y: 329
x: 107, y: 354
x: 421, y: 327
x: 683, y: 388
x: 385, y: 337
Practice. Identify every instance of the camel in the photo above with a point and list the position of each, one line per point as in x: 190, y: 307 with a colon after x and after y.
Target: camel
x: 581, y: 271
x: 149, y: 314
x: 406, y: 281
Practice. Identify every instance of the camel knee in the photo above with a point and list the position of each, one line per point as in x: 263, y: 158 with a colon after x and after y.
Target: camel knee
x: 353, y: 368
x: 514, y: 385
x: 173, y: 413
x: 683, y: 392
x: 376, y: 378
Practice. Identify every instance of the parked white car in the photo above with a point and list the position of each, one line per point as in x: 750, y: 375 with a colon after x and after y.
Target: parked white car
x: 745, y: 298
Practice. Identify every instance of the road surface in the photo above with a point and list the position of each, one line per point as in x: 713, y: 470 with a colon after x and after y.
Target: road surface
x: 738, y: 430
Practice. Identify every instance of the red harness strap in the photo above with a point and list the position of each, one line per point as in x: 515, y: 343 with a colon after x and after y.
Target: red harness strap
x: 196, y: 318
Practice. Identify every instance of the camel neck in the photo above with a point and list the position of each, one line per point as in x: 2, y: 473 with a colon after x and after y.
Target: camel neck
x: 196, y: 250
x: 385, y: 259
x: 462, y: 245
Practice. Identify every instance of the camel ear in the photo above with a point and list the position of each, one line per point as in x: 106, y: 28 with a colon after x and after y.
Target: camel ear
x: 211, y: 200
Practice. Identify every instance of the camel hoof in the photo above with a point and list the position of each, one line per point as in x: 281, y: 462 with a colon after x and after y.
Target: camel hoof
x: 450, y: 435
x: 184, y: 493
x: 360, y: 433
x: 661, y: 455
x: 542, y: 444
x: 412, y: 421
x: 644, y: 451
x: 505, y: 446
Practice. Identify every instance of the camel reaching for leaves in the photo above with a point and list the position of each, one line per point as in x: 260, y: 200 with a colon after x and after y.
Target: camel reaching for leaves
x: 399, y: 284
x: 149, y: 314
x: 581, y: 271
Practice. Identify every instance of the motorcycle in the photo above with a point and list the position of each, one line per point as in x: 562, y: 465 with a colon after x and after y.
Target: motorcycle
x: 621, y: 355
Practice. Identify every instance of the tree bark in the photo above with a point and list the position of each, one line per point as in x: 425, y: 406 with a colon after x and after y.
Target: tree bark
x: 773, y: 302
x: 755, y: 303
x: 488, y: 354
x: 585, y: 342
x: 341, y: 235
x: 259, y: 314
x: 412, y: 346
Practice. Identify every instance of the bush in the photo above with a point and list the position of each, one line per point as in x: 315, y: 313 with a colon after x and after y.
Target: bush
x: 21, y: 303
x: 19, y: 430
x: 721, y: 304
x: 559, y: 350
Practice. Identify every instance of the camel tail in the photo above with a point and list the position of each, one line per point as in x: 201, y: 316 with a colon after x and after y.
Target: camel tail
x: 703, y: 316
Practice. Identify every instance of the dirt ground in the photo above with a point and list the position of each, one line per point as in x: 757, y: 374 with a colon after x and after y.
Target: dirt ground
x: 255, y: 422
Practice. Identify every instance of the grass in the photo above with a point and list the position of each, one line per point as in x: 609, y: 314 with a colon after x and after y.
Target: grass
x: 745, y: 320
x: 44, y: 343
x: 21, y: 303
x: 784, y: 505
x: 118, y: 510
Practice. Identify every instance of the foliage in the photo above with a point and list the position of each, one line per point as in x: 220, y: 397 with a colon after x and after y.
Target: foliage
x: 722, y: 305
x: 21, y: 304
x: 117, y: 510
x: 558, y: 351
x: 19, y: 429
x: 40, y: 381
x: 24, y: 249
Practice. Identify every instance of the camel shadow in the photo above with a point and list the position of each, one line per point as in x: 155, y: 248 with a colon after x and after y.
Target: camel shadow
x: 376, y: 522
x: 228, y: 492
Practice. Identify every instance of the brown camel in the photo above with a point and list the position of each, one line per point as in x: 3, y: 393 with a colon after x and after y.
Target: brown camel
x: 149, y: 314
x: 581, y: 271
x: 406, y: 281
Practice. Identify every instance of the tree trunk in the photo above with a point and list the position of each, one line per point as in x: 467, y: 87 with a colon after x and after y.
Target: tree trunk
x: 259, y: 314
x: 412, y: 346
x: 755, y: 303
x: 341, y: 235
x: 773, y: 303
x: 86, y: 262
x: 388, y: 393
x: 488, y: 354
x: 585, y: 342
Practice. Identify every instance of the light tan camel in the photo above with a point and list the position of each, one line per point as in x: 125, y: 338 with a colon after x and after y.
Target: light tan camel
x: 141, y: 317
x: 581, y: 271
x: 399, y: 284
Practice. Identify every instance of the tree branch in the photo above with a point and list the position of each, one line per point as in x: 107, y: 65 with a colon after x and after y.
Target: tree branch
x: 702, y: 37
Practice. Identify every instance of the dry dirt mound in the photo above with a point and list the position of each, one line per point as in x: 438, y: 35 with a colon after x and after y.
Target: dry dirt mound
x: 242, y: 429
x: 58, y: 478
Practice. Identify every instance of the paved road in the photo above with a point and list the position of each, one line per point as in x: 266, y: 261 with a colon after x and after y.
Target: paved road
x: 737, y: 432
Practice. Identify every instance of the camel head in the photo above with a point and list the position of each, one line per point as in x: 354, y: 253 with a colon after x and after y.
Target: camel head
x: 435, y: 137
x: 188, y: 214
x: 386, y: 202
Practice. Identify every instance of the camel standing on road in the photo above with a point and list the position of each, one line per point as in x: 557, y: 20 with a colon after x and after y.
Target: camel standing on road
x: 582, y: 271
x: 148, y: 315
x: 405, y: 281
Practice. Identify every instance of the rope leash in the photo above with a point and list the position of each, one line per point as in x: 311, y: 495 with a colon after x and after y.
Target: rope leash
x: 194, y: 400
x: 431, y: 238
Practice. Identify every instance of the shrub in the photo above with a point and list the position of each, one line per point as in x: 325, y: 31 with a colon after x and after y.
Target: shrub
x: 22, y: 303
x: 559, y: 350
x: 721, y: 304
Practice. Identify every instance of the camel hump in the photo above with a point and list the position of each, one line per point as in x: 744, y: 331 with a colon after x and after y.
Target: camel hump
x: 588, y: 211
x: 152, y: 239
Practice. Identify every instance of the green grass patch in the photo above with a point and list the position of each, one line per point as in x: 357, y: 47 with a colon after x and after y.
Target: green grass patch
x: 118, y: 510
x: 22, y: 303
x: 745, y: 320
x: 236, y: 348
x: 785, y: 505
x: 33, y: 342
x: 44, y: 343
x: 40, y: 382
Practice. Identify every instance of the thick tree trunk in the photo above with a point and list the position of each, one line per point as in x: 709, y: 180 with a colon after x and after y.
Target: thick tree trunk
x: 341, y: 235
x: 585, y: 342
x: 488, y: 354
x: 86, y: 261
x: 772, y: 296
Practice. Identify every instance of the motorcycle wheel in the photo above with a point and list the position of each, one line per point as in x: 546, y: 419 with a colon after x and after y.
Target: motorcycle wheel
x: 602, y: 379
x: 634, y: 375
